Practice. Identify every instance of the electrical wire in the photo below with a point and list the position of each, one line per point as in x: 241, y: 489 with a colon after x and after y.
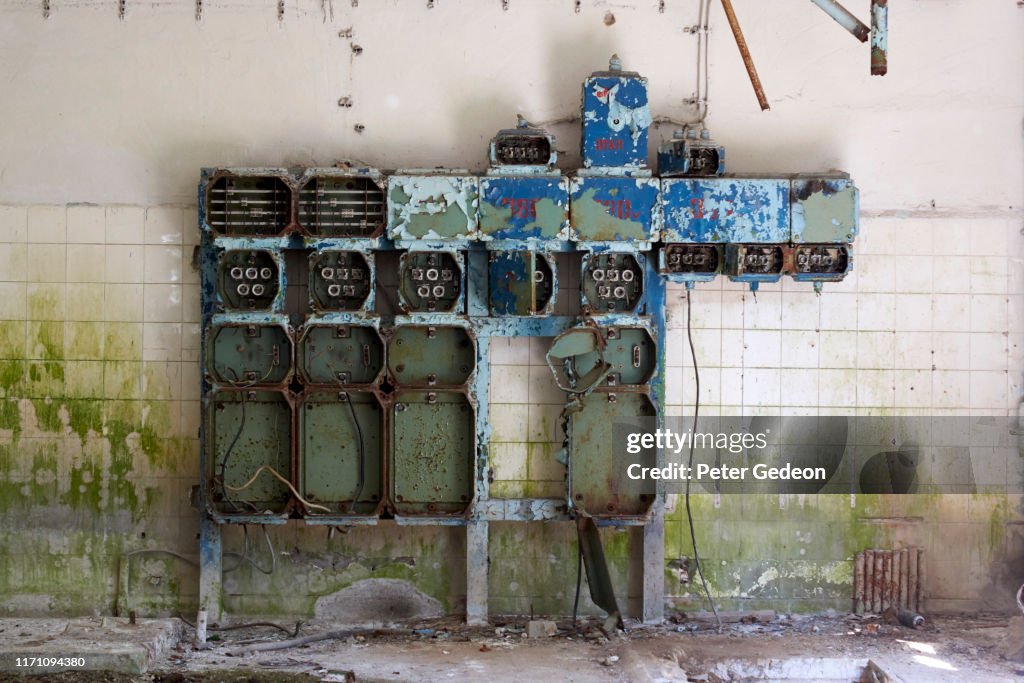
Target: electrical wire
x: 275, y: 473
x: 579, y: 580
x: 362, y: 454
x: 696, y: 411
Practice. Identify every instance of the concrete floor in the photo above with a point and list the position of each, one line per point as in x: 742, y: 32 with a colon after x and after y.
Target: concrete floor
x: 824, y: 648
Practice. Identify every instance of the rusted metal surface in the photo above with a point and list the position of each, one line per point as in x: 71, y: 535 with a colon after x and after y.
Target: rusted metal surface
x: 748, y: 61
x: 887, y: 578
x: 879, y: 37
x: 845, y: 18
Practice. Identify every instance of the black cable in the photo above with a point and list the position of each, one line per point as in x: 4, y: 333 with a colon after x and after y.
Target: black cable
x: 579, y: 579
x: 696, y: 411
x: 362, y: 454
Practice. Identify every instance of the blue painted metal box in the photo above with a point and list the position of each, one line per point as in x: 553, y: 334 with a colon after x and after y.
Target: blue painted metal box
x: 524, y: 208
x: 615, y: 118
x: 753, y: 210
x: 615, y: 209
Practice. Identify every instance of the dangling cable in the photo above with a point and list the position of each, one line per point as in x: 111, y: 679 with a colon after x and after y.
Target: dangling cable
x: 696, y: 410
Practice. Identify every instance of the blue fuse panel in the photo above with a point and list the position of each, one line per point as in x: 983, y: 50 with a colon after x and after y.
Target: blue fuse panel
x: 432, y: 207
x: 524, y: 208
x: 615, y: 209
x: 825, y: 209
x: 615, y: 118
x: 717, y: 210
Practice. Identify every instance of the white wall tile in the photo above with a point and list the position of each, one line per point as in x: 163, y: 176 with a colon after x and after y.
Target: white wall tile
x: 162, y: 264
x: 86, y: 263
x: 951, y: 389
x: 913, y: 388
x: 13, y: 300
x: 122, y: 302
x: 914, y: 274
x: 989, y: 274
x: 988, y: 312
x: 876, y: 311
x: 510, y: 350
x: 87, y: 224
x: 877, y: 273
x: 763, y: 311
x: 46, y: 262
x: 988, y: 351
x: 164, y: 225
x: 952, y: 350
x: 799, y: 349
x: 509, y: 384
x: 988, y: 390
x: 837, y: 349
x: 162, y: 303
x: 800, y: 387
x: 541, y: 387
x: 837, y: 387
x: 801, y: 311
x: 47, y: 224
x: 125, y: 225
x: 839, y: 311
x: 125, y: 263
x: 913, y: 312
x: 913, y: 351
x: 875, y: 388
x: 13, y: 261
x: 13, y: 223
x: 876, y: 350
x: 950, y: 312
x: 762, y: 348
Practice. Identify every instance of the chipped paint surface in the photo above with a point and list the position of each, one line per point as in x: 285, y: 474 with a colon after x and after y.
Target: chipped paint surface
x: 726, y: 210
x: 524, y: 208
x: 616, y: 119
x: 615, y: 209
x: 824, y: 210
x: 432, y: 207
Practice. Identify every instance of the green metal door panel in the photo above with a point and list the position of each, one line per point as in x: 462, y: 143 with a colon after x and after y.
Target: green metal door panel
x: 248, y: 355
x: 330, y: 437
x: 341, y: 354
x: 592, y: 460
x: 825, y: 209
x: 431, y: 356
x: 250, y: 430
x: 631, y: 353
x: 433, y: 446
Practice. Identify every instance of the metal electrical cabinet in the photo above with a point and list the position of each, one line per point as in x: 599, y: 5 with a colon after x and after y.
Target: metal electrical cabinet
x: 347, y: 315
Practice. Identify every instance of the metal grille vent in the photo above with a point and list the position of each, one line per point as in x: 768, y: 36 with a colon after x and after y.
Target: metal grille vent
x: 248, y: 205
x: 888, y: 578
x: 341, y: 207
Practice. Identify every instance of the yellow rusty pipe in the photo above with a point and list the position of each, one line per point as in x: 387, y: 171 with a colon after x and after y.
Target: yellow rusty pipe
x: 748, y: 61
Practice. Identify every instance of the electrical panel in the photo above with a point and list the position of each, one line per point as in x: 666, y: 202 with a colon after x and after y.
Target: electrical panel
x: 347, y: 312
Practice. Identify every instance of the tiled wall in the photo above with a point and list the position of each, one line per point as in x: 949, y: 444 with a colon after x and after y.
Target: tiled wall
x: 99, y: 414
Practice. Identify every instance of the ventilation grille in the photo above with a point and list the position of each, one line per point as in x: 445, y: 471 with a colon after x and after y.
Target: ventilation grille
x: 248, y: 206
x: 341, y: 207
x: 888, y: 578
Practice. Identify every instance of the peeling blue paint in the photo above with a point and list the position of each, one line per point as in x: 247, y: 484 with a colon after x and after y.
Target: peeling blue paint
x: 726, y: 210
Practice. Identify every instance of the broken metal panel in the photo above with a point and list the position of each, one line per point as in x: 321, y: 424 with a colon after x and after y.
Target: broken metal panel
x: 432, y: 206
x: 521, y: 283
x: 342, y: 444
x: 616, y: 118
x: 433, y: 449
x: 249, y: 430
x: 592, y: 471
x: 615, y: 210
x: 524, y: 208
x: 825, y: 209
x: 599, y: 580
x: 713, y: 210
x: 340, y: 354
x: 431, y: 356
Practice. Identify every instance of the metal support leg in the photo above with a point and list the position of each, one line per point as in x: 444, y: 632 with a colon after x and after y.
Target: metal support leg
x: 477, y: 571
x: 654, y: 564
x: 211, y: 591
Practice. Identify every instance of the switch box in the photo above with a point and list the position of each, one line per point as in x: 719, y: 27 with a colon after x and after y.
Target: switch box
x: 340, y: 354
x: 616, y: 118
x: 615, y: 209
x: 340, y: 280
x: 691, y: 262
x: 612, y: 282
x: 825, y: 209
x: 342, y: 206
x: 249, y: 280
x: 523, y: 149
x: 341, y: 437
x: 245, y: 355
x: 717, y: 210
x: 430, y: 282
x: 433, y: 207
x: 520, y: 283
x: 524, y: 208
x: 431, y: 356
x: 248, y: 430
x: 248, y: 206
x: 820, y: 262
x: 755, y: 263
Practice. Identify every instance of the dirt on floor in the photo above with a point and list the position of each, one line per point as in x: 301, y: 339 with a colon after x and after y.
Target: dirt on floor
x: 688, y: 649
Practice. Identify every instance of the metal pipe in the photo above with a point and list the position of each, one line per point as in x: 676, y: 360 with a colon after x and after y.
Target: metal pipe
x: 748, y: 61
x: 858, y: 583
x: 845, y: 19
x: 879, y: 37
